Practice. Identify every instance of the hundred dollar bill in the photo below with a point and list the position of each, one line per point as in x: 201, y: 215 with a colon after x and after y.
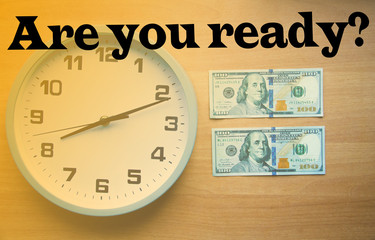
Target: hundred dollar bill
x: 266, y: 93
x: 268, y: 151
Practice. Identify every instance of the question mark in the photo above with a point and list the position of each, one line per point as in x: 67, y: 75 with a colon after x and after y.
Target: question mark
x: 364, y: 22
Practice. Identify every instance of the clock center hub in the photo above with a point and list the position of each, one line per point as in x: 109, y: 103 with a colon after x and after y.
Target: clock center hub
x: 105, y: 123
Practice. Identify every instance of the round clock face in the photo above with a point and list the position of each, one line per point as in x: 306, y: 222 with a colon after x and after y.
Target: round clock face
x: 99, y: 136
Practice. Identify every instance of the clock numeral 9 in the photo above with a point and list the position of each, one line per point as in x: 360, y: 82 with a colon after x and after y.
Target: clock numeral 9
x: 53, y: 87
x: 46, y: 150
x: 162, y: 93
x: 36, y: 116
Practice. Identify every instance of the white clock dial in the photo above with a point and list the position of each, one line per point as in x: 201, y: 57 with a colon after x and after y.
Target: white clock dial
x: 115, y: 165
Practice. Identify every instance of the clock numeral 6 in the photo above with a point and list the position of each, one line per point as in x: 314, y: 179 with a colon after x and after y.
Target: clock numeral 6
x: 162, y: 93
x: 102, y: 185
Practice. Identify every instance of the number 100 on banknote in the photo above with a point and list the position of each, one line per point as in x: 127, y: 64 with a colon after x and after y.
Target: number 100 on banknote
x: 268, y: 151
x: 266, y: 93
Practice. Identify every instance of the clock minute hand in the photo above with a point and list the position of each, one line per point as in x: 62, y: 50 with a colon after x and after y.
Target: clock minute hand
x: 105, y: 121
x: 127, y: 113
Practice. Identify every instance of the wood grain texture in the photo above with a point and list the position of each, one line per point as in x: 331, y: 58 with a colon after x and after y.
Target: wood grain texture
x: 338, y: 205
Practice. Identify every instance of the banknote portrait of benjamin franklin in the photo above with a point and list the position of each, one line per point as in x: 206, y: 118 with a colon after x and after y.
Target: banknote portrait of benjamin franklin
x: 254, y: 153
x: 251, y: 96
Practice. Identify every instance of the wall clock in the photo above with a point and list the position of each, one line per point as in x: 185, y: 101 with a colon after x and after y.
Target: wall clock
x: 99, y: 136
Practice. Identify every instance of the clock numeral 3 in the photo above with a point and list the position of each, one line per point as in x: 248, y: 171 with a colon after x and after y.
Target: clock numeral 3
x: 172, y: 123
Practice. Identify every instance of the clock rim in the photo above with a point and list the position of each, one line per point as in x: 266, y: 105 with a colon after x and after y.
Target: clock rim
x: 36, y: 59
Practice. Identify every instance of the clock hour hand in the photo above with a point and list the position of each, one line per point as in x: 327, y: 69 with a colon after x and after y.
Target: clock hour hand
x: 59, y: 130
x: 102, y: 122
x: 106, y: 120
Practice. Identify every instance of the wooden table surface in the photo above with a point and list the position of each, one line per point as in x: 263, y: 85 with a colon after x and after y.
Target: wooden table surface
x: 337, y: 205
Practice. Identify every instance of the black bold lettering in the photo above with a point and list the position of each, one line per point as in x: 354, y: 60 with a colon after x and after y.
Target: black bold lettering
x: 81, y: 35
x: 27, y: 23
x: 240, y: 34
x: 307, y: 29
x: 216, y: 34
x: 125, y: 42
x: 57, y: 33
x: 160, y: 36
x: 333, y: 39
x: 190, y: 36
x: 278, y: 35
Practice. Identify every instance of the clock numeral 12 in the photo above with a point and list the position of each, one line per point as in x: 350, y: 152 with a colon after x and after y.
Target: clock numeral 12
x: 108, y: 56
